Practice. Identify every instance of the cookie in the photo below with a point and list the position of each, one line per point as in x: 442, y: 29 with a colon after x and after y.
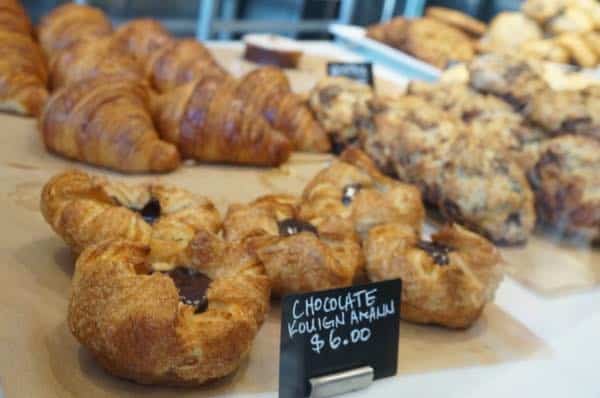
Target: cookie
x: 546, y: 50
x: 579, y: 50
x: 501, y: 36
x: 457, y: 20
x: 446, y: 281
x: 565, y: 181
x: 542, y: 10
x: 571, y: 20
x: 393, y: 33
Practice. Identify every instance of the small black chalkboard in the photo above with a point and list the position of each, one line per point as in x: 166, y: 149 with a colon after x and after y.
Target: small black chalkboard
x: 361, y: 71
x: 335, y: 330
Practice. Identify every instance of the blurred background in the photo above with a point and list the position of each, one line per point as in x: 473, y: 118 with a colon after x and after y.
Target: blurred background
x: 302, y: 19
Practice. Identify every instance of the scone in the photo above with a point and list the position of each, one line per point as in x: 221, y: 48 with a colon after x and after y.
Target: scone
x: 446, y: 281
x: 298, y: 256
x: 341, y: 105
x: 470, y: 181
x: 566, y: 182
x: 353, y: 189
x: 86, y: 209
x: 182, y: 325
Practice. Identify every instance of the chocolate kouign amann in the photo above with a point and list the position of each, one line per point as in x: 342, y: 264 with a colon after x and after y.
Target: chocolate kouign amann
x: 86, y: 209
x: 445, y: 281
x: 298, y: 256
x: 182, y: 325
x: 341, y: 105
x: 566, y: 182
x: 353, y: 189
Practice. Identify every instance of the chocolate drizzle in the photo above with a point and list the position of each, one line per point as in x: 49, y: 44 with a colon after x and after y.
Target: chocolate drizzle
x: 292, y: 226
x: 151, y: 211
x: 192, y: 286
x: 349, y: 192
x: 437, y: 251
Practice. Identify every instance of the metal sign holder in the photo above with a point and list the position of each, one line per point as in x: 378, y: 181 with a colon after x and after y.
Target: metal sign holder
x: 341, y: 382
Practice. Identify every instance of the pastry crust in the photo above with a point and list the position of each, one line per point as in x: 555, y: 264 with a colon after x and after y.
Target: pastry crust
x: 14, y: 18
x: 132, y: 320
x: 142, y: 37
x: 457, y: 19
x: 446, y: 282
x: 86, y: 209
x: 298, y: 256
x: 565, y: 181
x: 341, y: 105
x: 353, y: 189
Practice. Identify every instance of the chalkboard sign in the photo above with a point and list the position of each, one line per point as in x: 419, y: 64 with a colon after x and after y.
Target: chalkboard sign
x: 361, y: 71
x: 335, y: 330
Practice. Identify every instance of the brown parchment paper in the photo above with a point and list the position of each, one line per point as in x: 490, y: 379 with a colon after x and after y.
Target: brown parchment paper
x: 39, y: 357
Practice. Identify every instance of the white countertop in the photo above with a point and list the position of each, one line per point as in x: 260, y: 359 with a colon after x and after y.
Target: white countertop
x: 569, y: 325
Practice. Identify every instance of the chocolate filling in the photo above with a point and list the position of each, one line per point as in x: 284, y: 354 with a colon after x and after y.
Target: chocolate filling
x: 349, y: 192
x: 437, y: 251
x: 151, y: 211
x: 192, y: 286
x: 292, y: 226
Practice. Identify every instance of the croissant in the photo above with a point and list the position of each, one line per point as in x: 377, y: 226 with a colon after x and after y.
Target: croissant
x: 71, y: 23
x: 142, y: 38
x: 23, y: 74
x: 268, y: 89
x: 13, y: 18
x: 180, y: 62
x: 106, y: 122
x: 208, y: 122
x: 93, y: 59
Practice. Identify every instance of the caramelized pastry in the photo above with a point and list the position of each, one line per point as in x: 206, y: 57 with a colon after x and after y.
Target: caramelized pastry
x: 86, y: 209
x: 93, y: 59
x: 352, y: 188
x: 70, y: 23
x: 565, y: 181
x: 208, y: 122
x: 106, y: 122
x: 457, y: 19
x: 268, y: 90
x: 445, y: 281
x: 186, y: 325
x: 298, y: 256
x: 23, y: 74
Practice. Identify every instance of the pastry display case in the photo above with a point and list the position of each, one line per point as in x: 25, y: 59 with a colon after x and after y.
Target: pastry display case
x: 163, y: 198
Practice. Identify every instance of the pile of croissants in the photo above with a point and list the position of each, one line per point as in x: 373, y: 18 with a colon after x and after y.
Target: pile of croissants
x: 136, y: 99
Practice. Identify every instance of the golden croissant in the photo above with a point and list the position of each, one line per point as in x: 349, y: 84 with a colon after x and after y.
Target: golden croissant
x: 13, y: 18
x: 106, y: 122
x: 268, y: 90
x: 208, y: 122
x: 142, y: 38
x: 23, y: 74
x: 69, y: 24
x: 181, y: 62
x: 92, y: 59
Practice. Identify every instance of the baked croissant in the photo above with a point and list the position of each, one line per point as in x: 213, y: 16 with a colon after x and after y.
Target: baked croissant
x: 13, y: 18
x: 208, y: 122
x: 268, y: 90
x: 181, y: 62
x: 142, y: 38
x: 91, y: 59
x: 71, y: 23
x: 106, y: 122
x: 23, y: 74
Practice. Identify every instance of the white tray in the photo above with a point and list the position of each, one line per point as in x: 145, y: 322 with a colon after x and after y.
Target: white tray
x: 356, y: 36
